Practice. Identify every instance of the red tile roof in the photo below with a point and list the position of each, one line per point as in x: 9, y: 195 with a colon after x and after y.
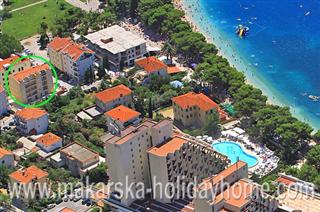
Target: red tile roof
x: 66, y: 209
x: 67, y: 46
x: 151, y: 64
x: 59, y: 43
x: 4, y: 152
x: 30, y: 113
x: 173, y: 70
x: 169, y: 147
x: 8, y: 61
x: 122, y: 113
x: 48, y: 139
x: 200, y: 100
x: 28, y: 174
x: 30, y: 71
x: 1, y: 89
x: 113, y: 93
x: 286, y: 181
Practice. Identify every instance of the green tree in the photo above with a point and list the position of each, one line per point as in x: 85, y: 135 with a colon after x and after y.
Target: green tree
x: 313, y: 157
x: 98, y: 174
x: 212, y: 124
x: 5, y: 14
x: 168, y: 50
x: 150, y: 108
x: 316, y: 136
x: 8, y: 45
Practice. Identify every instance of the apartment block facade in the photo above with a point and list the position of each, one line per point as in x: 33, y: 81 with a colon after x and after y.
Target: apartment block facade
x: 192, y: 109
x: 231, y: 190
x: 72, y: 58
x: 133, y: 157
x: 113, y: 97
x: 31, y: 84
x: 182, y: 161
x: 115, y: 47
x: 5, y: 64
x: 32, y: 121
x: 3, y: 101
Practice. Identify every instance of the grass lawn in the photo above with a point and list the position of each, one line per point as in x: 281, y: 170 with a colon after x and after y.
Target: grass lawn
x: 14, y: 4
x: 26, y: 22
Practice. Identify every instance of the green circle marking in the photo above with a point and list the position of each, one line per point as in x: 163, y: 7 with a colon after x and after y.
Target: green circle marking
x: 7, y: 88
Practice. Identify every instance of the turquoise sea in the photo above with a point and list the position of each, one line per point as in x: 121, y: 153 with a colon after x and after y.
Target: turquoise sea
x: 280, y: 55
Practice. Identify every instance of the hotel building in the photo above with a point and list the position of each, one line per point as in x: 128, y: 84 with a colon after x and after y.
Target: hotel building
x: 115, y: 96
x: 120, y: 118
x: 31, y: 84
x: 3, y: 101
x: 72, y: 58
x: 5, y: 64
x: 192, y: 109
x: 31, y: 177
x: 115, y: 47
x: 231, y: 190
x: 32, y: 121
x: 152, y: 152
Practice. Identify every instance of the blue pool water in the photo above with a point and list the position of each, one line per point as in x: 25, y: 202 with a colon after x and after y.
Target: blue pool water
x: 281, y: 54
x: 235, y: 152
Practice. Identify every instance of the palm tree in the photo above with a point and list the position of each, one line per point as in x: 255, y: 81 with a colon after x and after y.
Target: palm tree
x: 168, y: 50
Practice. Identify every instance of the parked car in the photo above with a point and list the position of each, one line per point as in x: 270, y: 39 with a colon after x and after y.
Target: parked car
x: 50, y: 206
x: 65, y: 198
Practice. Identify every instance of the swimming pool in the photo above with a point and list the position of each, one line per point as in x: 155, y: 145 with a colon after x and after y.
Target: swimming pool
x: 235, y: 152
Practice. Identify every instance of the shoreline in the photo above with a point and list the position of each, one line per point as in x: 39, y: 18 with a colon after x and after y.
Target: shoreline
x: 215, y: 36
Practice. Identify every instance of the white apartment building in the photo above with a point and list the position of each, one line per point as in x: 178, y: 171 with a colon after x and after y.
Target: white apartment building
x: 115, y: 96
x: 121, y: 117
x: 32, y: 121
x: 6, y: 158
x: 3, y: 101
x: 49, y: 142
x: 115, y: 47
x: 138, y: 154
x: 72, y: 58
x: 150, y: 66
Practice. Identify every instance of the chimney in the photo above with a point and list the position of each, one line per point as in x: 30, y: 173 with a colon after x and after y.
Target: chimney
x: 107, y: 40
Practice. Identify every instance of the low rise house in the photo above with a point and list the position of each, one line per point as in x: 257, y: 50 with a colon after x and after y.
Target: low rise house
x: 31, y: 84
x: 5, y: 64
x: 121, y: 117
x: 151, y: 66
x: 78, y: 158
x: 32, y: 121
x: 231, y: 190
x: 6, y: 158
x: 192, y: 109
x: 3, y: 101
x: 31, y: 177
x: 49, y: 142
x: 115, y: 96
x: 72, y: 58
x: 115, y: 47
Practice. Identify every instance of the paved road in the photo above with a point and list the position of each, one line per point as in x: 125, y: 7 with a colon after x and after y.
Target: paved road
x: 29, y: 5
x: 90, y: 5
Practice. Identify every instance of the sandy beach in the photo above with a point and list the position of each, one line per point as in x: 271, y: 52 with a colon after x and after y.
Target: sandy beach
x: 200, y: 23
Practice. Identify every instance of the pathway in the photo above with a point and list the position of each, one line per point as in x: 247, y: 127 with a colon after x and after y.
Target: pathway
x: 90, y: 5
x: 29, y: 5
